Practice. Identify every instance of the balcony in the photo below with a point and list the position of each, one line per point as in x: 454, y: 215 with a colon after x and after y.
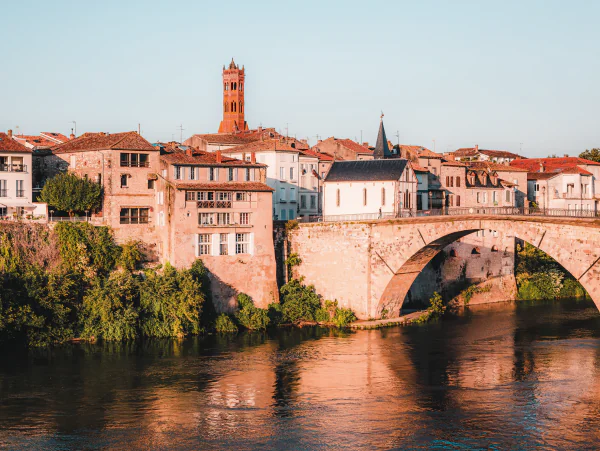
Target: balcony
x: 13, y: 168
x: 214, y: 204
x: 574, y: 196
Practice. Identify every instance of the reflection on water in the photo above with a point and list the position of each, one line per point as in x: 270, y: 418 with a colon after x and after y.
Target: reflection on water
x: 510, y: 376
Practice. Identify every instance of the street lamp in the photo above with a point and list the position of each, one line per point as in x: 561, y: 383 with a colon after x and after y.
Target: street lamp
x: 86, y: 215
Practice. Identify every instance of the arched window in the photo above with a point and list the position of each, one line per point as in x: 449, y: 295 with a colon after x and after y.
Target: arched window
x: 364, y: 196
x: 241, y: 110
x: 226, y: 87
x: 453, y: 253
x: 494, y: 248
x: 382, y: 197
x: 241, y: 86
x: 337, y: 198
x: 475, y: 251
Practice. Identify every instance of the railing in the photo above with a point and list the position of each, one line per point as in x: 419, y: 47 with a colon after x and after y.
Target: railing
x: 3, y: 193
x: 20, y: 193
x: 466, y: 211
x: 13, y: 168
x: 214, y: 204
x: 572, y: 196
x: 69, y: 219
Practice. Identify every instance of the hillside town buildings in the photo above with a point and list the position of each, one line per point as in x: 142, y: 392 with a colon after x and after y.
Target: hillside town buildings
x: 477, y: 154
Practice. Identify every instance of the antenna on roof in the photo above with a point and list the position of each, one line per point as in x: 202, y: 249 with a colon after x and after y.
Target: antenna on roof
x: 139, y: 130
x: 75, y: 124
x: 181, y: 129
x: 398, y: 136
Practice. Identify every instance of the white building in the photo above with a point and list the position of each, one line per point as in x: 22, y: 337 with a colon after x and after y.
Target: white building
x: 15, y: 181
x: 370, y: 189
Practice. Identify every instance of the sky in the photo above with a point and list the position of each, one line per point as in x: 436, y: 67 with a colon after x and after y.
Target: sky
x: 522, y: 76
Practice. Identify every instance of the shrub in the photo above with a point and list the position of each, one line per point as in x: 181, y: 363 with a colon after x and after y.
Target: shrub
x: 572, y: 289
x: 109, y: 308
x: 299, y: 302
x: 322, y: 315
x: 170, y: 303
x: 540, y: 285
x: 274, y: 311
x: 224, y: 324
x: 130, y: 256
x: 249, y: 316
x: 343, y: 317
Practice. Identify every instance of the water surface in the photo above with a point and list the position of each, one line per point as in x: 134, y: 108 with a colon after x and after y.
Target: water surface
x: 507, y: 376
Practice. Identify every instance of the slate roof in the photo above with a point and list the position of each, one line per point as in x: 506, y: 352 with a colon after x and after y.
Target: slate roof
x: 366, y: 170
x: 382, y: 150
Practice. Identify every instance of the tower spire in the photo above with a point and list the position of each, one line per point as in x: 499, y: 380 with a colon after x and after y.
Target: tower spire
x: 382, y: 150
x: 233, y: 99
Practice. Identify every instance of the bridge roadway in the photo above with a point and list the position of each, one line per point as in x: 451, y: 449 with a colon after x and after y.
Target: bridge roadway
x: 370, y: 265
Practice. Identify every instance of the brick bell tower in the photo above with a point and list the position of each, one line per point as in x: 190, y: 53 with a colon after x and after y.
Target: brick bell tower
x: 233, y: 99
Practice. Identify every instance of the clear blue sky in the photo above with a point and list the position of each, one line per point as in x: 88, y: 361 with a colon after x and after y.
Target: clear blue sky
x: 495, y: 74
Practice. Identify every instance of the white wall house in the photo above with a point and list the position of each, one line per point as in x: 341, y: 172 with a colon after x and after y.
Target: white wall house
x: 15, y: 181
x: 309, y: 185
x: 370, y: 188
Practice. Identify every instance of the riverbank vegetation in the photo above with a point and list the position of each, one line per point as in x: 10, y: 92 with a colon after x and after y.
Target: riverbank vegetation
x: 540, y: 277
x: 75, y: 283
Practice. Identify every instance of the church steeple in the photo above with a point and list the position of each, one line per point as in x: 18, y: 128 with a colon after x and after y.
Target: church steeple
x: 233, y: 99
x: 382, y: 150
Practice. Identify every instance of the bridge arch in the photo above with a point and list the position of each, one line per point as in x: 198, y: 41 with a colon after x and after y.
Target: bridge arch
x: 573, y: 254
x: 371, y: 265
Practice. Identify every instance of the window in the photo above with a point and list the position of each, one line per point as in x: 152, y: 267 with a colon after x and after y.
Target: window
x: 282, y: 173
x: 241, y: 197
x: 206, y: 219
x: 135, y: 160
x: 230, y: 175
x: 134, y: 215
x: 3, y: 189
x: 204, y: 244
x: 73, y: 162
x: 206, y: 195
x: 291, y: 214
x: 150, y: 184
x: 213, y: 174
x: 382, y: 197
x: 303, y: 201
x: 242, y: 242
x: 283, y: 215
x: 507, y: 196
x: 453, y: 253
x: 247, y: 175
x: 282, y: 195
x: 337, y: 198
x: 495, y: 197
x: 458, y: 182
x: 365, y: 196
x: 20, y: 190
x: 160, y: 197
x: 313, y: 202
x: 291, y: 173
x: 494, y: 248
x: 178, y: 173
x: 190, y: 195
x: 223, y: 246
x: 244, y: 218
x: 223, y: 218
x: 193, y: 173
x: 124, y: 178
x: 458, y: 201
x: 224, y: 196
x: 293, y: 195
x: 475, y: 251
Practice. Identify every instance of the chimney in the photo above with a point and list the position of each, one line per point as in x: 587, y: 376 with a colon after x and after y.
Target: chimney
x: 102, y: 134
x: 365, y: 144
x: 259, y: 128
x: 253, y: 158
x: 566, y: 155
x: 71, y: 136
x: 542, y: 167
x: 243, y: 156
x: 9, y: 134
x: 319, y: 141
x: 476, y: 147
x: 219, y: 156
x: 172, y: 145
x: 188, y: 151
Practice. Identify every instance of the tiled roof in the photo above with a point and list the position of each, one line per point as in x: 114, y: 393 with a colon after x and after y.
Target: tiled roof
x: 484, y: 180
x: 264, y: 146
x: 366, y: 170
x: 418, y: 168
x: 56, y: 137
x: 100, y: 141
x: 499, y: 153
x: 465, y: 152
x: 322, y: 156
x: 551, y: 164
x: 454, y: 163
x: 491, y: 166
x: 199, y: 157
x: 541, y: 175
x: 244, y: 137
x: 354, y: 146
x: 223, y: 186
x: 34, y: 141
x: 10, y: 145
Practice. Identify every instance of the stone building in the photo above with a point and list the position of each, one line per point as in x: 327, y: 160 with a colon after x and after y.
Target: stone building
x: 343, y: 149
x: 477, y: 154
x: 369, y: 189
x: 16, y: 193
x: 218, y: 208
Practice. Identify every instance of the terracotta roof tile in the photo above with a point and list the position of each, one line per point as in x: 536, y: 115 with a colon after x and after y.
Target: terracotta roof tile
x: 499, y: 153
x: 10, y: 145
x: 223, y: 186
x: 199, y: 157
x: 354, y: 146
x: 551, y: 164
x: 101, y: 141
x: 491, y: 166
x: 264, y: 145
x: 34, y: 141
x: 322, y: 156
x: 56, y: 137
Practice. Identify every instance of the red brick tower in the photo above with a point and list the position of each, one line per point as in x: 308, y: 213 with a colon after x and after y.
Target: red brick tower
x: 233, y: 99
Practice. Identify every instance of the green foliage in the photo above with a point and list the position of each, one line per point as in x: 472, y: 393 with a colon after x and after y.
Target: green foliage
x: 343, y: 317
x: 130, y: 256
x: 275, y: 313
x: 436, y: 309
x: 572, y: 289
x: 224, y: 324
x: 249, y: 316
x: 293, y: 260
x: 322, y: 315
x: 591, y: 154
x: 291, y: 225
x: 170, y: 303
x: 472, y: 290
x: 109, y: 308
x: 70, y: 193
x: 299, y: 302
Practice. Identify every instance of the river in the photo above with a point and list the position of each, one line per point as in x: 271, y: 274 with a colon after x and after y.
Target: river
x: 505, y: 376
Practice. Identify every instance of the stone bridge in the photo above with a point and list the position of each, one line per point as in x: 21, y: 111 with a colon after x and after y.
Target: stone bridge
x: 370, y: 265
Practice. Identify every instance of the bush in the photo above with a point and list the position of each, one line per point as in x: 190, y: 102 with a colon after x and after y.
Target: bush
x: 170, y: 303
x: 572, y: 289
x: 299, y: 302
x: 130, y: 256
x: 109, y: 308
x: 275, y: 314
x: 249, y: 316
x: 71, y: 193
x: 225, y: 325
x: 322, y: 315
x: 343, y: 317
x: 540, y: 285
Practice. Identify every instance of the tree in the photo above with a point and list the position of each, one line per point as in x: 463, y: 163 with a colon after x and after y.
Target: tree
x: 591, y: 154
x: 71, y: 193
